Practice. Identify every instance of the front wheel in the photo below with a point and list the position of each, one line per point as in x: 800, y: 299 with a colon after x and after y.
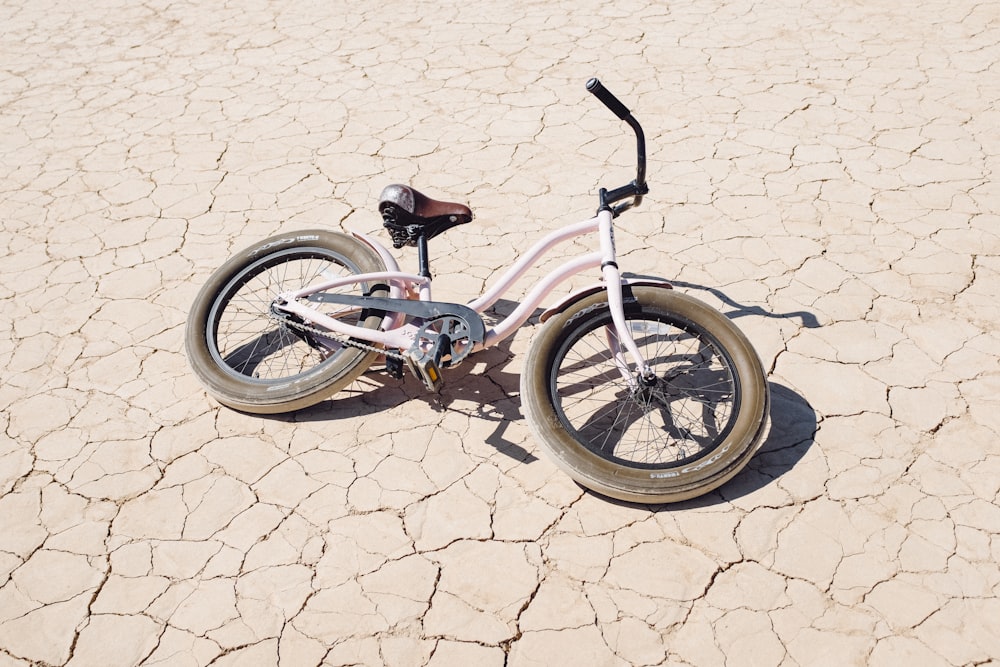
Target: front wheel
x: 662, y: 439
x: 253, y: 360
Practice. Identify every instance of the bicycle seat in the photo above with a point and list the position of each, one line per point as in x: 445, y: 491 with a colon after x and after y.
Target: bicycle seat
x: 409, y: 214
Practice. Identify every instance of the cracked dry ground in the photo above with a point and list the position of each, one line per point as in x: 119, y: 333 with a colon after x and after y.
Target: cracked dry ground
x: 825, y: 174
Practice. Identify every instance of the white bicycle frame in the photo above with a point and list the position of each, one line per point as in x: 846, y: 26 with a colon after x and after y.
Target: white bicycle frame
x: 393, y: 334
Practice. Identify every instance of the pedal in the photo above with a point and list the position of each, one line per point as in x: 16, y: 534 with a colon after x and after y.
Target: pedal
x: 394, y: 366
x: 425, y: 368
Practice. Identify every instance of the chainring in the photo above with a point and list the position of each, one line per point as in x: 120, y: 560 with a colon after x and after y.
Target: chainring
x: 456, y: 328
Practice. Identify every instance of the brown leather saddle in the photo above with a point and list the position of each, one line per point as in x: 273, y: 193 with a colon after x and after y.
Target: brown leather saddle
x: 409, y: 214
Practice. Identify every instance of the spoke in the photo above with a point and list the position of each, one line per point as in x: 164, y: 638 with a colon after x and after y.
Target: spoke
x: 682, y: 416
x: 250, y: 339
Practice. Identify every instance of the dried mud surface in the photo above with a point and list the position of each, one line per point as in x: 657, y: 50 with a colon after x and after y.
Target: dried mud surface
x: 824, y: 173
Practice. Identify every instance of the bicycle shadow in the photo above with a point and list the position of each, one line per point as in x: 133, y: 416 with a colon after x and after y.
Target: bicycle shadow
x: 792, y: 432
x: 808, y: 320
x: 485, y: 382
x: 793, y: 421
x: 482, y: 380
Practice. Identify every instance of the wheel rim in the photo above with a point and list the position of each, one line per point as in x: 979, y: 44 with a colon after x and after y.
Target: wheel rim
x: 248, y: 341
x: 679, y: 418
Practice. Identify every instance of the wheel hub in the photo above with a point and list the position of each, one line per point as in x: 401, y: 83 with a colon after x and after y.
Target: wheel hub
x: 644, y: 391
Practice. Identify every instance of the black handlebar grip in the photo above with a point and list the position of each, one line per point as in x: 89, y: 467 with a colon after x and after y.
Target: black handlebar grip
x: 609, y: 100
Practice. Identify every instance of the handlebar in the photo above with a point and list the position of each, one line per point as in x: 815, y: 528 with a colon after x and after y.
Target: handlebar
x: 598, y: 90
x: 637, y: 188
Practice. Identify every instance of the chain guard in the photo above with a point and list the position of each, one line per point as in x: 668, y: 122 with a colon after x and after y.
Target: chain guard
x: 426, y: 310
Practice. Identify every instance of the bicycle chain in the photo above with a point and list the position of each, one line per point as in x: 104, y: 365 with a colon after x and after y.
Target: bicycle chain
x: 340, y: 338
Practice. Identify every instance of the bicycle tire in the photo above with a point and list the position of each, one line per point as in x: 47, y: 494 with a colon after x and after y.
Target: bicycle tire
x: 249, y: 360
x: 688, y: 433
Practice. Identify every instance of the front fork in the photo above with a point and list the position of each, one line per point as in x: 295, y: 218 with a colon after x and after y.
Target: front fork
x: 620, y: 336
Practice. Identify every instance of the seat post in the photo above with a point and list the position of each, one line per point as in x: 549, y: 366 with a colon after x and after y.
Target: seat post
x: 423, y: 259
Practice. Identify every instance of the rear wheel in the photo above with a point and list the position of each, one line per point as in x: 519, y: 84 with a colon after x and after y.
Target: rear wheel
x: 667, y: 438
x: 253, y: 360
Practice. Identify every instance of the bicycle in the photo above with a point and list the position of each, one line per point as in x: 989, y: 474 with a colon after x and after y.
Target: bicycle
x: 638, y: 392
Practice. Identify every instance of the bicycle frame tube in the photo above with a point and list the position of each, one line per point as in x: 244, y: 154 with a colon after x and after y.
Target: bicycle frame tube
x: 534, y: 298
x: 411, y: 284
x: 403, y: 281
x: 527, y: 260
x: 408, y: 285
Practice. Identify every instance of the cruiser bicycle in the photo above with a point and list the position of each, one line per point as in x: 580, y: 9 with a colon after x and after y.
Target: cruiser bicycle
x: 637, y: 391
